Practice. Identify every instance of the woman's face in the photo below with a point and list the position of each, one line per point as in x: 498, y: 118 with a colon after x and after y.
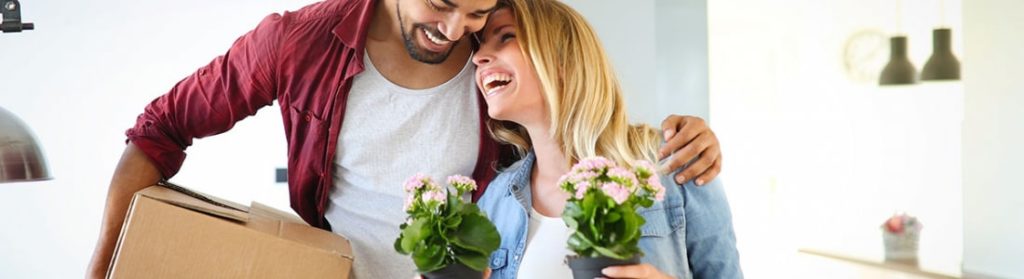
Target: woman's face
x: 506, y: 78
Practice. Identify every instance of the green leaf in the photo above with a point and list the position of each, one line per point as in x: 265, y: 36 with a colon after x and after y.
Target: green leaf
x: 473, y: 260
x: 612, y: 217
x: 571, y: 214
x: 579, y: 243
x: 646, y: 202
x: 610, y: 253
x: 477, y: 233
x: 631, y: 224
x: 429, y: 257
x: 398, y: 246
x: 413, y: 234
x: 454, y: 221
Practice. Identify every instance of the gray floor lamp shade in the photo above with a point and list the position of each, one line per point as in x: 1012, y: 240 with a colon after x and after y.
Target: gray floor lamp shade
x: 21, y: 159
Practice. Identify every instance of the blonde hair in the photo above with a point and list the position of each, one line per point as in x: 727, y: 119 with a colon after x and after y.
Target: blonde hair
x: 587, y: 108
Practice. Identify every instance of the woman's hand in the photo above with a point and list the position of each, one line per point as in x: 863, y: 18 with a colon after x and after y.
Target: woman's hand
x: 688, y: 138
x: 634, y: 271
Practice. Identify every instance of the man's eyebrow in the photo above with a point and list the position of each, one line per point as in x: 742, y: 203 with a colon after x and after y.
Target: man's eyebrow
x: 487, y: 10
x: 481, y: 11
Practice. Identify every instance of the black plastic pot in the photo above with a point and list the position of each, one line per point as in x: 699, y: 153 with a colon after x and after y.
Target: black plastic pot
x: 454, y: 271
x: 589, y: 268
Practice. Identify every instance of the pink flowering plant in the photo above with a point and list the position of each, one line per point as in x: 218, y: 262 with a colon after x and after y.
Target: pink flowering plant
x: 442, y: 229
x: 602, y: 208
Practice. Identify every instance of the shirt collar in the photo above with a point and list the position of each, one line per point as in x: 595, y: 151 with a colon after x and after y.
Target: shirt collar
x: 520, y: 182
x: 355, y: 22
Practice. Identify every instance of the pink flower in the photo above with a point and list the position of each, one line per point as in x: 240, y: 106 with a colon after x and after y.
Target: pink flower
x: 434, y: 196
x: 581, y: 189
x: 626, y: 176
x: 462, y: 183
x: 895, y: 224
x: 409, y: 200
x: 418, y: 181
x: 618, y: 193
x: 654, y: 185
x: 643, y: 168
x: 597, y: 164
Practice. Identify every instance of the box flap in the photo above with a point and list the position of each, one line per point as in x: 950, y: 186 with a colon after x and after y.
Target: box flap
x: 289, y: 226
x: 196, y: 201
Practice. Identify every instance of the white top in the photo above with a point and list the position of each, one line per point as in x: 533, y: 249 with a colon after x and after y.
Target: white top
x: 391, y: 133
x: 546, y: 248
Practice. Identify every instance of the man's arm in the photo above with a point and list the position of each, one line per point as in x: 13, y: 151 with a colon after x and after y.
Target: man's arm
x: 208, y: 102
x: 134, y: 172
x: 692, y: 144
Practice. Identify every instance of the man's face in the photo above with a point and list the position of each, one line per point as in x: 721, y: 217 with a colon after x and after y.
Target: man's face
x: 432, y: 28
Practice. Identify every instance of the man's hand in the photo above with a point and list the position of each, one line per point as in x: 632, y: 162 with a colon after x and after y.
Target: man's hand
x: 634, y: 271
x: 688, y: 138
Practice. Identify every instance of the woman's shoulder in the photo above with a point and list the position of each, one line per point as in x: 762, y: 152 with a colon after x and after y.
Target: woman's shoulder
x: 506, y: 177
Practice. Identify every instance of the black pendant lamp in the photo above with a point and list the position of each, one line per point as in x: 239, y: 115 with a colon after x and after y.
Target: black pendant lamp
x: 899, y: 70
x: 942, y: 65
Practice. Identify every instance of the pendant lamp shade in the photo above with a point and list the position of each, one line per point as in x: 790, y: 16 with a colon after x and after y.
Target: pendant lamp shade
x: 21, y: 159
x: 942, y: 65
x: 899, y: 70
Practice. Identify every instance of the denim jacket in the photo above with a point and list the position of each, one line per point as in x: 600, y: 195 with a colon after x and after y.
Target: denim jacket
x: 688, y: 234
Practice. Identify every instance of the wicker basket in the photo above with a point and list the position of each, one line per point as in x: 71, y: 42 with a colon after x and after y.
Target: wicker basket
x: 900, y: 247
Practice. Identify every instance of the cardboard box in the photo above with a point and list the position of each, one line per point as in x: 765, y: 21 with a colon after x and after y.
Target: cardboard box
x: 171, y: 232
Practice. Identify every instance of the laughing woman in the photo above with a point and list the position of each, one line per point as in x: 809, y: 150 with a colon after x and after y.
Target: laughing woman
x: 552, y: 93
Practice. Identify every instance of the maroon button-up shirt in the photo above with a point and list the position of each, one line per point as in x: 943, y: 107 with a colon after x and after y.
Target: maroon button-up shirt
x: 304, y: 59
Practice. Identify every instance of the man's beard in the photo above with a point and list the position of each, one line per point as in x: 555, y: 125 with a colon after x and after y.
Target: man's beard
x: 418, y: 53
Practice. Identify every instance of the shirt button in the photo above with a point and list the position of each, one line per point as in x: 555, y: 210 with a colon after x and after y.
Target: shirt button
x: 308, y: 117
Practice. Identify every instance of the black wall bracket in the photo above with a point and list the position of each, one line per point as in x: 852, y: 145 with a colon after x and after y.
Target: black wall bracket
x: 11, y: 13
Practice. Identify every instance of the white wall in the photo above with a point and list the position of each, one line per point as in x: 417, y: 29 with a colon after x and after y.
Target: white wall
x: 993, y: 133
x: 80, y: 79
x: 659, y: 51
x: 817, y: 160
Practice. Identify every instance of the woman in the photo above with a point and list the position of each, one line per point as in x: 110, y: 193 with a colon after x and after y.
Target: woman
x: 552, y: 93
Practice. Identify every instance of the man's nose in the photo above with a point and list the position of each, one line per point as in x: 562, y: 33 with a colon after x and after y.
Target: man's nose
x: 454, y: 27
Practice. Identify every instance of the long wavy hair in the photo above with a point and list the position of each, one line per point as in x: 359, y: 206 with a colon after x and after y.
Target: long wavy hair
x: 585, y: 101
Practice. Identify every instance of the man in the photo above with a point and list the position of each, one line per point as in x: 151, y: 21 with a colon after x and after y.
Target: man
x: 396, y: 72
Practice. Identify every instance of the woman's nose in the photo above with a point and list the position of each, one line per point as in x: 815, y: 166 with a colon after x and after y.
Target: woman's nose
x: 481, y: 58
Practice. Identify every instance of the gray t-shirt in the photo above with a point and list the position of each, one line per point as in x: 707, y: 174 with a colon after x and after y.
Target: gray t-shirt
x: 391, y: 133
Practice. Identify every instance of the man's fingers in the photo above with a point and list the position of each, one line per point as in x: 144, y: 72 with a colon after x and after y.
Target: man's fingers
x: 679, y: 139
x: 690, y: 151
x: 700, y: 168
x: 697, y: 167
x: 670, y: 125
x: 711, y: 173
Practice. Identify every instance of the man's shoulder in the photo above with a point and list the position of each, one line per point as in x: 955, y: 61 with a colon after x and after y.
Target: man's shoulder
x: 325, y: 10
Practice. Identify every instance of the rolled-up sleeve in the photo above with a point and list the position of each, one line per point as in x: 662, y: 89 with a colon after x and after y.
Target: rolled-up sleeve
x: 710, y: 239
x: 210, y: 101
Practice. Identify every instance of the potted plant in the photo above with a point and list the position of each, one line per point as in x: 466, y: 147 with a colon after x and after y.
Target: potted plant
x: 446, y: 236
x: 900, y: 234
x: 602, y: 213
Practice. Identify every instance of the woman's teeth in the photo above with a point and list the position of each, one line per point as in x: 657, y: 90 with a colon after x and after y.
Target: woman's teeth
x: 496, y: 82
